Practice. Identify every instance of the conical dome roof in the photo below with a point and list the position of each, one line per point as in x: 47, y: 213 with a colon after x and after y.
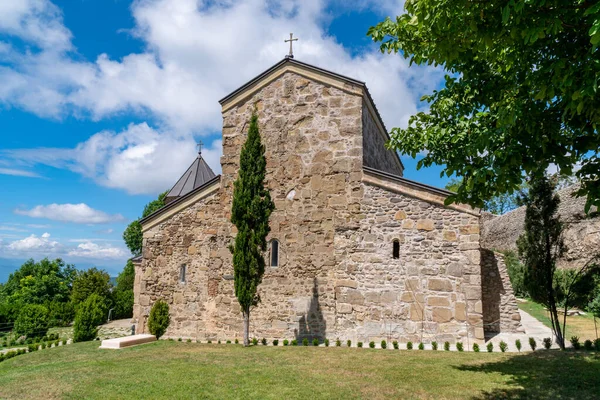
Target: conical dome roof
x: 196, y: 175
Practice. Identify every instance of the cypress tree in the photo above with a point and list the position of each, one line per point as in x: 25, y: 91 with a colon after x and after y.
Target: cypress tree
x: 251, y: 208
x: 540, y: 245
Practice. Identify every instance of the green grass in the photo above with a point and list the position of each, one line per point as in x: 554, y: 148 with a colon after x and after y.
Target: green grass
x: 578, y: 325
x: 167, y: 370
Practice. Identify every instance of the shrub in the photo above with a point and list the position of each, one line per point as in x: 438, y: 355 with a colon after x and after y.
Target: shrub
x: 395, y: 344
x: 516, y: 273
x: 490, y: 347
x: 475, y: 347
x: 43, y: 345
x: 1, y: 357
x: 503, y: 346
x: 338, y: 343
x: 180, y: 340
x: 459, y: 346
x: 254, y: 341
x: 383, y: 344
x: 171, y: 340
x: 64, y: 342
x: 434, y: 345
x: 349, y: 343
x: 359, y: 344
x: 228, y: 341
x: 61, y: 313
x: 597, y: 344
x: 575, y: 342
x: 123, y: 307
x: 421, y: 346
x: 547, y: 343
x: 32, y: 348
x: 159, y: 319
x: 275, y: 342
x: 315, y: 342
x: 56, y: 342
x: 372, y: 344
x: 532, y: 343
x: 294, y: 342
x: 189, y: 340
x: 32, y: 321
x: 588, y: 345
x: 208, y: 341
x: 447, y: 346
x: 285, y: 342
x: 89, y: 315
x: 326, y: 342
x: 305, y: 342
x: 409, y: 346
x: 219, y: 341
x: 263, y: 341
x: 237, y: 341
x: 518, y: 344
x: 10, y: 354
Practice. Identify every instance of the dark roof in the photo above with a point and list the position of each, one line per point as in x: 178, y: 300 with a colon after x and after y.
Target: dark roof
x: 410, y: 182
x: 180, y: 199
x: 196, y: 175
x: 317, y: 69
x: 136, y: 258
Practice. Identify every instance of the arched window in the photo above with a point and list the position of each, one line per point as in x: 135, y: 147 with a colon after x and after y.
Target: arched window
x: 396, y: 249
x: 274, y: 253
x: 182, y: 271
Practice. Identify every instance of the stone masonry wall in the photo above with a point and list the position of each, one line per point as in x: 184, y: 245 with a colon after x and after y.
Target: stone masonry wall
x: 432, y: 292
x: 375, y: 154
x: 500, y: 310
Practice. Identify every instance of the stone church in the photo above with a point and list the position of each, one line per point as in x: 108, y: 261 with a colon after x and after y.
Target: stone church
x: 355, y: 251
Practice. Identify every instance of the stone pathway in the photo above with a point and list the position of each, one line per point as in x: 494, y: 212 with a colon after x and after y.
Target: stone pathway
x: 533, y: 328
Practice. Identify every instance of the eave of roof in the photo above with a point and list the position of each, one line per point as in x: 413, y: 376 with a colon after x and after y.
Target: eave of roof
x: 400, y: 179
x: 323, y: 71
x: 181, y: 199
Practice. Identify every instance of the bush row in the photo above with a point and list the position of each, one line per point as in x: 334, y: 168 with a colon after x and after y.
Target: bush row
x: 459, y: 346
x: 31, y: 348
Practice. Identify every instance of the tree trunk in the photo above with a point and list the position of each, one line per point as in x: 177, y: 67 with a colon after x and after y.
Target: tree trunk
x: 246, y: 328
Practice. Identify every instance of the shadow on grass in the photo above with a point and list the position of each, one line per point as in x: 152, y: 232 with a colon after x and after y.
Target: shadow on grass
x: 545, y: 375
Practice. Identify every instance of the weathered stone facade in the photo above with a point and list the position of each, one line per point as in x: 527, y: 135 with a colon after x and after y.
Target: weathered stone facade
x: 335, y: 222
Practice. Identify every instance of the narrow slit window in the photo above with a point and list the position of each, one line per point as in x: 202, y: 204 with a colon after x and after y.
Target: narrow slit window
x: 396, y: 249
x: 274, y: 253
x: 182, y: 271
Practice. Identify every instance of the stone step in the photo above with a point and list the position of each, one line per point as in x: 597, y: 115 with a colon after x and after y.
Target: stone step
x: 127, y: 341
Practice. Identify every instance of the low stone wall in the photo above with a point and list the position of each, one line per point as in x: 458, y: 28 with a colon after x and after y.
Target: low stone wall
x: 582, y: 231
x: 500, y: 311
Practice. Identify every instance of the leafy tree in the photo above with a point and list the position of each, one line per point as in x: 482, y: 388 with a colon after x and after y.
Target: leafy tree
x: 91, y: 313
x: 123, y: 293
x: 32, y: 321
x: 520, y: 94
x: 91, y: 281
x: 133, y: 233
x: 251, y: 208
x: 60, y: 313
x: 516, y: 272
x: 41, y: 282
x: 540, y: 245
x: 126, y: 278
x: 159, y: 318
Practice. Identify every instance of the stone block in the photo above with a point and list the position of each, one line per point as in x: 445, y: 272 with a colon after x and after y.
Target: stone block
x: 449, y: 235
x: 425, y: 225
x: 441, y: 314
x: 191, y: 250
x: 460, y: 311
x: 439, y: 285
x: 344, y: 308
x: 438, y: 301
x: 400, y: 215
x: 346, y: 283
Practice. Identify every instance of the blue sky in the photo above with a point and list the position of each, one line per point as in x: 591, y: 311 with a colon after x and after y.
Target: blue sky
x: 102, y: 101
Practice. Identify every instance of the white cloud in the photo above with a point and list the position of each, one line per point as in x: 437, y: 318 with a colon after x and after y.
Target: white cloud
x: 89, y: 249
x: 77, y: 213
x: 35, y: 244
x: 18, y: 172
x: 197, y: 51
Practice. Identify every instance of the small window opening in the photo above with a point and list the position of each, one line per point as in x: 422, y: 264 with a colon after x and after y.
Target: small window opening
x: 274, y: 253
x: 396, y: 249
x: 182, y: 271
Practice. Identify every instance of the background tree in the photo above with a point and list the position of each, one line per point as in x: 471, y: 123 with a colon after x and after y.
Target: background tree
x: 123, y: 292
x: 91, y: 281
x: 91, y: 313
x: 251, y: 208
x: 133, y: 233
x: 540, y: 245
x: 520, y: 94
x: 32, y: 321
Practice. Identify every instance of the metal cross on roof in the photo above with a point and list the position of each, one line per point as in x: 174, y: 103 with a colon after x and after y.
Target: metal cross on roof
x: 291, y: 40
x: 199, y: 145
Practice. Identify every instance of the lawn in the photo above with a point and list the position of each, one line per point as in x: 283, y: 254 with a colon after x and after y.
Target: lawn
x: 188, y: 370
x: 578, y: 325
